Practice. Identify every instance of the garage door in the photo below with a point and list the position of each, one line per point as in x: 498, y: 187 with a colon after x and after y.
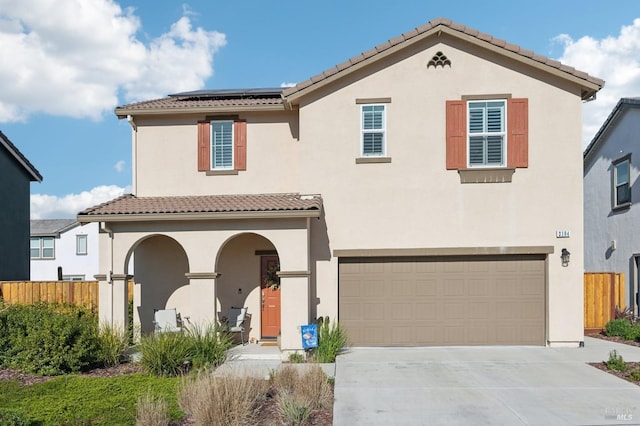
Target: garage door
x: 478, y: 300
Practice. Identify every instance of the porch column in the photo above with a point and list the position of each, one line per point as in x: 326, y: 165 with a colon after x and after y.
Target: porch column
x: 105, y: 300
x: 202, y: 294
x: 294, y: 293
x: 120, y: 300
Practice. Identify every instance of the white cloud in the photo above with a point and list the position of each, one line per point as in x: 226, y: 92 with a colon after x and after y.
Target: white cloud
x: 119, y: 166
x: 283, y: 84
x: 73, y: 57
x: 52, y: 207
x: 615, y: 59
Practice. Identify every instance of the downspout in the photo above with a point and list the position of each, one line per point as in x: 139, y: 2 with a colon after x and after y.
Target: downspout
x: 105, y: 228
x: 134, y: 150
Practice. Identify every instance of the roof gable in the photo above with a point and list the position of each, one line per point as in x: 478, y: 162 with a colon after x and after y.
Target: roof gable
x: 590, y: 85
x: 51, y: 227
x: 621, y: 106
x: 33, y: 173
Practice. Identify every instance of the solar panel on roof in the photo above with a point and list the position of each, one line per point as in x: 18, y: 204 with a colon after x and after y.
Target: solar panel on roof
x: 268, y: 91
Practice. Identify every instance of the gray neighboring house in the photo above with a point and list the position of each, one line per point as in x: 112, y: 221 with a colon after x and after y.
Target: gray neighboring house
x: 16, y: 174
x: 611, y: 195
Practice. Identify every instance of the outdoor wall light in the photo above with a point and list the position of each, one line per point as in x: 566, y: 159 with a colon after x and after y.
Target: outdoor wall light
x: 565, y: 257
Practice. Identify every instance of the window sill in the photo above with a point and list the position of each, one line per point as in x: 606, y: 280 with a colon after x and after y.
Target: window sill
x: 621, y: 207
x: 501, y: 175
x: 221, y: 172
x: 371, y: 160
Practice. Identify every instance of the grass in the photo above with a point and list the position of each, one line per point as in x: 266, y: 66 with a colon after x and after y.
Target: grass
x: 87, y: 400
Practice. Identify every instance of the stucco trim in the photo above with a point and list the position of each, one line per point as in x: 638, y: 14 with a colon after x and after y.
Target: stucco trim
x: 150, y: 217
x: 202, y: 275
x: 491, y: 175
x: 221, y: 172
x: 100, y: 277
x: 372, y: 160
x: 485, y: 97
x: 444, y: 251
x: 360, y: 101
x: 293, y: 274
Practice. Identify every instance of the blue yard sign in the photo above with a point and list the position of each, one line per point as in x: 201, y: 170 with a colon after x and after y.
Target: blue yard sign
x: 309, y: 336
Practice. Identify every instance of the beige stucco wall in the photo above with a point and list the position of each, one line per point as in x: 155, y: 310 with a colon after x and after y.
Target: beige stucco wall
x: 412, y: 202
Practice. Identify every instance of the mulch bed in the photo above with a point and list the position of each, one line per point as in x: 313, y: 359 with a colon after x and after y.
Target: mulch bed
x: 632, y: 366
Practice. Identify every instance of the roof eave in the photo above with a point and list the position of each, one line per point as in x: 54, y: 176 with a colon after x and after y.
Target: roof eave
x: 589, y: 88
x: 149, y: 217
x: 124, y: 112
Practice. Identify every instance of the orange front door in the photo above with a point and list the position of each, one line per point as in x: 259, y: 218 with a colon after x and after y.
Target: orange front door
x: 270, y: 296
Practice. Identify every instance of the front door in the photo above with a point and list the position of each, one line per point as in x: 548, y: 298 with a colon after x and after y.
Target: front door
x: 270, y: 296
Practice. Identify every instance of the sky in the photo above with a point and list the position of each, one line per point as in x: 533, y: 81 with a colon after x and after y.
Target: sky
x: 66, y: 64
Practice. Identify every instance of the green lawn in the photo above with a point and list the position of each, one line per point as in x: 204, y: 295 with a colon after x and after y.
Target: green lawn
x: 76, y: 400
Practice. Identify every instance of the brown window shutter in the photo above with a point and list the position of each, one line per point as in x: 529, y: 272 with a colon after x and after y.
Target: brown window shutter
x: 456, y: 135
x: 240, y: 144
x: 204, y: 146
x: 518, y: 128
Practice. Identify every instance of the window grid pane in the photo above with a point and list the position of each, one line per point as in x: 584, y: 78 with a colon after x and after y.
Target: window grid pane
x: 373, y: 130
x: 34, y: 245
x: 48, y: 248
x: 486, y: 133
x: 621, y: 183
x: 222, y: 144
x: 81, y: 244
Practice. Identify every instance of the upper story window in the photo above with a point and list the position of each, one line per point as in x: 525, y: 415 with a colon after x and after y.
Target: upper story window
x: 622, y: 182
x: 486, y: 130
x: 81, y: 244
x: 373, y: 130
x: 222, y: 145
x: 487, y: 137
x: 42, y: 248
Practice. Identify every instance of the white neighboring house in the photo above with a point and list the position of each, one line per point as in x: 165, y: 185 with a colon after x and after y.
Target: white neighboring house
x: 65, y: 244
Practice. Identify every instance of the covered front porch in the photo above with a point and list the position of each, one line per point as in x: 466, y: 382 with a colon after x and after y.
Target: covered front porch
x: 238, y: 251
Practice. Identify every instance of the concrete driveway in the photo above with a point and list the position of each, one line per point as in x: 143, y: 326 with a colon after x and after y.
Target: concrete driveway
x: 484, y: 385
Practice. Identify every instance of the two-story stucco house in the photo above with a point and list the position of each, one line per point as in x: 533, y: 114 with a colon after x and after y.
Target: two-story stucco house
x: 16, y: 175
x: 611, y: 217
x: 63, y: 249
x: 414, y: 192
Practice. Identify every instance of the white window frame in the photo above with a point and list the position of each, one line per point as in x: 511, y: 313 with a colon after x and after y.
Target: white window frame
x: 484, y: 134
x: 41, y: 248
x: 617, y: 184
x: 213, y: 147
x: 79, y: 238
x: 382, y: 130
x: 73, y: 278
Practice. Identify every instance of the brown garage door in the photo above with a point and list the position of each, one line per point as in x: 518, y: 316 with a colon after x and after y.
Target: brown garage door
x: 479, y: 300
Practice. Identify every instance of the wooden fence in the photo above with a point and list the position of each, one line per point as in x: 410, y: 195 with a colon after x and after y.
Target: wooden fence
x: 602, y: 293
x: 74, y: 292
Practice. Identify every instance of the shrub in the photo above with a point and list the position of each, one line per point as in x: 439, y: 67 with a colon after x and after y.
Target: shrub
x: 165, y: 354
x: 13, y: 418
x: 297, y: 358
x: 48, y: 339
x: 209, y: 345
x: 152, y: 411
x: 222, y: 400
x: 624, y: 328
x: 635, y: 375
x: 294, y: 409
x: 616, y: 362
x: 331, y: 339
x: 114, y: 342
x: 311, y: 387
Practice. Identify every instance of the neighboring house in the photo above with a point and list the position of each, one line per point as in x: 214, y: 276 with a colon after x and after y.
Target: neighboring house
x: 63, y: 249
x: 421, y: 193
x: 611, y: 193
x: 16, y: 174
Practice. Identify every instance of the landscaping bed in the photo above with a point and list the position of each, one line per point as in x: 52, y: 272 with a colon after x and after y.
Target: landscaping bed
x: 626, y: 332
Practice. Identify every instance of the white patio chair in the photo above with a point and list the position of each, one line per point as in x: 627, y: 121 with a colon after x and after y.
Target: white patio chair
x: 236, y: 321
x: 167, y: 320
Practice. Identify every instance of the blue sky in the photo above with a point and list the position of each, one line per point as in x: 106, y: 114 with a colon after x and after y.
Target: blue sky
x: 68, y: 63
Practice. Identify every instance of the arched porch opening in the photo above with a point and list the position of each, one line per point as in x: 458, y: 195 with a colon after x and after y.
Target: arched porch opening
x: 247, y: 264
x: 159, y: 264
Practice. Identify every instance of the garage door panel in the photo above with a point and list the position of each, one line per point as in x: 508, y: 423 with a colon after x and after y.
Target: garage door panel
x: 443, y: 301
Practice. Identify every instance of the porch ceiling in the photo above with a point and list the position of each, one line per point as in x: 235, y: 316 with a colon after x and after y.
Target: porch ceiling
x: 131, y: 208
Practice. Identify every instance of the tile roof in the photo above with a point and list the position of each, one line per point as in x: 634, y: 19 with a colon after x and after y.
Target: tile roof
x: 15, y: 152
x: 458, y: 28
x: 130, y: 205
x: 204, y: 100
x: 51, y: 227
